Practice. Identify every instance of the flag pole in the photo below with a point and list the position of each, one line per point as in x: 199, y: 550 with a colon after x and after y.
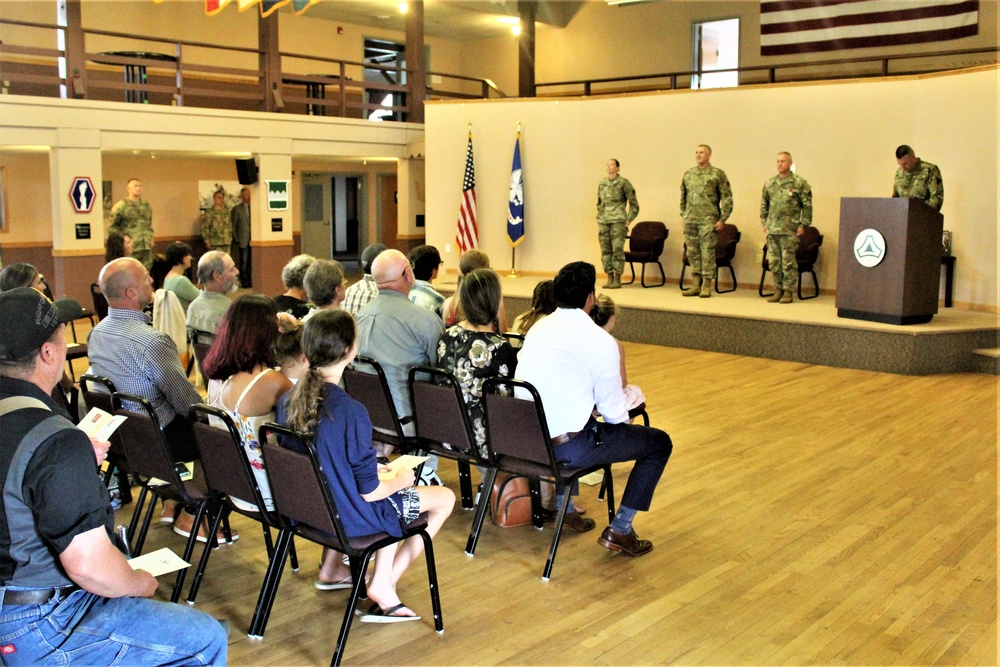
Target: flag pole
x: 513, y: 249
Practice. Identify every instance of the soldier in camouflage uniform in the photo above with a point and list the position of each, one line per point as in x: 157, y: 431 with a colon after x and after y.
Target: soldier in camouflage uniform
x: 217, y: 224
x: 785, y: 210
x: 706, y: 204
x: 613, y: 194
x: 134, y: 216
x: 916, y: 178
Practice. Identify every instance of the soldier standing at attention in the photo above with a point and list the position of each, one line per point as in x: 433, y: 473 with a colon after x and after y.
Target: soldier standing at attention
x: 134, y: 216
x: 706, y: 204
x: 613, y: 194
x: 919, y: 179
x: 217, y: 225
x: 785, y: 210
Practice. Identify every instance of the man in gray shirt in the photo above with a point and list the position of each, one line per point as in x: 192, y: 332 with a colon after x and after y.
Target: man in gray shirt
x: 218, y: 276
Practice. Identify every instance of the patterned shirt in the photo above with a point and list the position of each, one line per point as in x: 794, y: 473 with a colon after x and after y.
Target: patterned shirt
x: 923, y: 182
x: 359, y: 294
x: 138, y: 360
x: 134, y: 218
x: 217, y: 228
x: 706, y: 195
x: 612, y: 196
x: 786, y: 204
x: 425, y: 296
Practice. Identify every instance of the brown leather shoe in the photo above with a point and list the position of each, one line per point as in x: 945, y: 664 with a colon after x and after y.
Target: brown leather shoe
x: 628, y: 544
x: 578, y: 523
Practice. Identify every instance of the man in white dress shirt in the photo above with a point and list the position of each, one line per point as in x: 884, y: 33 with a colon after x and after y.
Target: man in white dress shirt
x: 574, y: 365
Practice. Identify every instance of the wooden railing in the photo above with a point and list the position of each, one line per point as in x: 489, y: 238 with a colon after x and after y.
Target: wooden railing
x: 154, y: 70
x: 820, y: 69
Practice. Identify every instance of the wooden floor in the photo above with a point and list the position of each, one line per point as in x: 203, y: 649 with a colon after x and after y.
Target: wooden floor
x: 809, y: 515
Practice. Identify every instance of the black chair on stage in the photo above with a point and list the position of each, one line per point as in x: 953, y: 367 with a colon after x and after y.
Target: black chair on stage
x: 725, y: 250
x: 805, y: 257
x: 519, y: 442
x: 645, y: 246
x: 303, y: 501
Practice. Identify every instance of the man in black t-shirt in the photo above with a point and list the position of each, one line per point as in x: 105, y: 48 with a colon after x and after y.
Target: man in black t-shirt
x: 67, y: 594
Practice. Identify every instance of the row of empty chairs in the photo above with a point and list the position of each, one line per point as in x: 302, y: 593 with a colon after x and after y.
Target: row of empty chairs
x: 647, y: 238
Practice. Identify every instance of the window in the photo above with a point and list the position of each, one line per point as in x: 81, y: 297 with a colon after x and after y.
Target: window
x: 392, y: 54
x: 716, y: 47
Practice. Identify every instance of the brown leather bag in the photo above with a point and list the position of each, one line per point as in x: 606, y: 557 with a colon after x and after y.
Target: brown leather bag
x: 510, y: 501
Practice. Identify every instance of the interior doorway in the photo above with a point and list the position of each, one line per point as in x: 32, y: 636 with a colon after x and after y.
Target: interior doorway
x: 716, y: 47
x: 333, y: 207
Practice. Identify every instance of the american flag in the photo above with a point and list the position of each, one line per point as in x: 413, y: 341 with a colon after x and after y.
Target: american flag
x: 803, y: 26
x: 467, y: 236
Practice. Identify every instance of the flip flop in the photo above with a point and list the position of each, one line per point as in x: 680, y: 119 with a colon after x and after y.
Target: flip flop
x: 379, y: 615
x: 321, y: 585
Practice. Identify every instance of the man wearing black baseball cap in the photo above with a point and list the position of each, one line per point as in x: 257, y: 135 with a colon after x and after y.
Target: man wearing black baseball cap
x: 67, y: 594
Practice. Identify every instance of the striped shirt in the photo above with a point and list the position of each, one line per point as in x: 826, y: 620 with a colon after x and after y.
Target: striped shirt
x: 359, y: 294
x: 125, y: 348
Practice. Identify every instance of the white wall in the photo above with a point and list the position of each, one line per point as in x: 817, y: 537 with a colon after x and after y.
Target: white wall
x: 841, y: 134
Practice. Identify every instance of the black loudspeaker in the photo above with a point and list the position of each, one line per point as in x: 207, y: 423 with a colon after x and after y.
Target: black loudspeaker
x: 246, y: 171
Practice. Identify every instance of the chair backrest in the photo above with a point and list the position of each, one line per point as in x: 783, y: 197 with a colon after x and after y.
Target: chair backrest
x: 94, y: 397
x: 648, y: 237
x: 809, y: 245
x: 227, y: 469
x: 145, y: 445
x: 100, y: 303
x: 725, y: 244
x: 515, y: 426
x: 298, y: 484
x: 365, y: 382
x: 516, y: 340
x: 441, y: 420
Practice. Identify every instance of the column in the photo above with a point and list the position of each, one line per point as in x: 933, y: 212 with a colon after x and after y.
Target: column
x: 416, y: 66
x: 272, y: 247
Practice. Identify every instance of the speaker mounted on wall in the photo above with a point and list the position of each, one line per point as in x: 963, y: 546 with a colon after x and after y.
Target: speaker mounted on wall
x: 246, y: 171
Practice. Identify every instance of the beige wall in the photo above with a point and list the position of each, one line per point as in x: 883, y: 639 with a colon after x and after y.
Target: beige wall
x: 29, y: 205
x: 842, y: 136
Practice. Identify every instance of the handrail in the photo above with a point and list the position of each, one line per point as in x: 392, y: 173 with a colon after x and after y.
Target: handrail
x: 165, y: 40
x: 771, y: 69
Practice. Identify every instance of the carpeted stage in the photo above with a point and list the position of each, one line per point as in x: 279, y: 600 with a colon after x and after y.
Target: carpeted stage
x: 743, y: 323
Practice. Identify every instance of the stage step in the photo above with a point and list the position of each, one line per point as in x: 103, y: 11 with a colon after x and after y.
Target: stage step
x: 987, y: 360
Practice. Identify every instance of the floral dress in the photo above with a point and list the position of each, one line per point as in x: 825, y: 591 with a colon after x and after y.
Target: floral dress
x: 473, y: 356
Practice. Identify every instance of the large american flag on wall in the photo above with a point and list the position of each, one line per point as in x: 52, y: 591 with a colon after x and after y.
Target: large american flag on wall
x: 803, y: 26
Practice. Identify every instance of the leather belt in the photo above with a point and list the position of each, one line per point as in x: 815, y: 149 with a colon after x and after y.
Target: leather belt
x: 39, y: 596
x: 564, y: 438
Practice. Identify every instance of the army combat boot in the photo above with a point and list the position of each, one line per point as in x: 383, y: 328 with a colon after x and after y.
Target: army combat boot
x: 786, y: 297
x: 695, y: 288
x: 776, y: 297
x: 611, y: 279
x: 616, y: 281
x: 706, y: 288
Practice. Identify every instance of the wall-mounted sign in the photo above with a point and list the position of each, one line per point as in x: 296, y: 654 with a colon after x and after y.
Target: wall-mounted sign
x: 276, y: 225
x: 83, y: 230
x: 277, y: 195
x: 82, y: 194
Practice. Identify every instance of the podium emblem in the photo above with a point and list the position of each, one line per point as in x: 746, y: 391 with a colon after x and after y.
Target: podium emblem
x: 869, y: 247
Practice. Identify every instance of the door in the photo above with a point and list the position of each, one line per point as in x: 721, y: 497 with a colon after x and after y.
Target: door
x: 317, y: 214
x: 388, y: 208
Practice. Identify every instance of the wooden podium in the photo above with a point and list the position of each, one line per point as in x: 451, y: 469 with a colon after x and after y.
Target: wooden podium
x: 900, y: 241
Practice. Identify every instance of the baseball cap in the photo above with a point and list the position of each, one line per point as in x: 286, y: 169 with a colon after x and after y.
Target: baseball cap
x: 29, y: 319
x: 369, y: 254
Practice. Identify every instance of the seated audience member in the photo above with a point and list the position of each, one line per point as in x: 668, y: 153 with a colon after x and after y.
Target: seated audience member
x: 342, y: 432
x: 294, y: 300
x: 118, y: 245
x: 605, y: 316
x: 425, y: 261
x: 22, y: 275
x: 543, y: 302
x: 242, y: 379
x: 179, y: 258
x: 69, y: 595
x: 471, y: 260
x: 471, y: 351
x: 289, y: 356
x: 360, y: 293
x: 139, y: 360
x: 218, y: 276
x: 399, y: 335
x: 574, y: 365
x: 324, y: 285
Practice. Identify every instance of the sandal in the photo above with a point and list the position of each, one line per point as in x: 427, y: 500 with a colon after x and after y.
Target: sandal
x: 378, y: 615
x: 346, y: 582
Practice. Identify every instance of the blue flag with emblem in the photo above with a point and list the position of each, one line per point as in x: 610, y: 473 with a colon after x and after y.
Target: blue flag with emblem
x: 515, y: 207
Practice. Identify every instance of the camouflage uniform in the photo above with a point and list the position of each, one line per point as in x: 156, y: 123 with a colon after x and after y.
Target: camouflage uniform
x: 136, y: 220
x: 785, y: 205
x: 923, y: 182
x: 613, y: 221
x: 706, y: 198
x: 217, y: 228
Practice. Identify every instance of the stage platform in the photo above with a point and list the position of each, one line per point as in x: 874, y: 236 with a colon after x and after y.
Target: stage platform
x: 743, y: 323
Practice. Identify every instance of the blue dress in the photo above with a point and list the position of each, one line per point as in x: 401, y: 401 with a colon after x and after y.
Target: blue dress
x: 344, y: 446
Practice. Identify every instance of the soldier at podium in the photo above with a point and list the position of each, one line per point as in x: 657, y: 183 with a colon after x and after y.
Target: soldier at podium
x: 919, y: 179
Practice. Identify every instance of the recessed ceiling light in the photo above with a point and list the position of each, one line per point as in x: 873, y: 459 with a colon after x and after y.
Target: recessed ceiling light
x: 509, y: 20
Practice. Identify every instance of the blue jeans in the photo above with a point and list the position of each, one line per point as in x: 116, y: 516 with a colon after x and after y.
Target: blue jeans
x: 601, y: 443
x: 87, y: 629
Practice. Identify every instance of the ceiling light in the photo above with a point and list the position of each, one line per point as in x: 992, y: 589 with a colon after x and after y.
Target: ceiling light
x: 508, y: 20
x: 516, y: 29
x: 403, y: 7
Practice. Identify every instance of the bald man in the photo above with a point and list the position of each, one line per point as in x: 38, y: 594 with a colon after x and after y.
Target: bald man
x: 396, y: 333
x: 126, y: 349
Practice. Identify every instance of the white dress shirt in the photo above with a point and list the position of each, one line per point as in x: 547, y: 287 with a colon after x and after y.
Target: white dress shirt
x: 574, y: 365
